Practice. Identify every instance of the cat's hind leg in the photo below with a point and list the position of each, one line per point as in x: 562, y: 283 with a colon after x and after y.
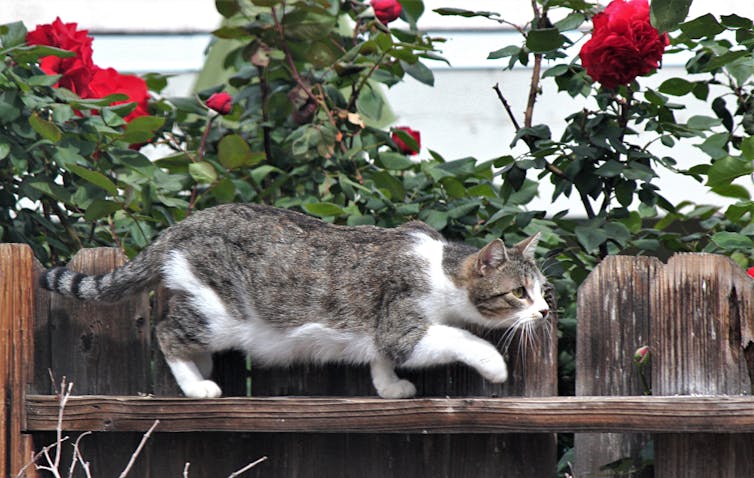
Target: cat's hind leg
x: 181, y: 339
x: 387, y: 383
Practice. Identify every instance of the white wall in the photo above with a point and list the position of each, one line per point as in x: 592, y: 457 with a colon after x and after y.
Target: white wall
x: 460, y: 116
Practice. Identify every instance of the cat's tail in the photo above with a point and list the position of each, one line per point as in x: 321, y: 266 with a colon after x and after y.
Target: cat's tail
x: 132, y: 277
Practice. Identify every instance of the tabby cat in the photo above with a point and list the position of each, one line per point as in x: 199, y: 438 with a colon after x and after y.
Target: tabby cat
x: 285, y: 287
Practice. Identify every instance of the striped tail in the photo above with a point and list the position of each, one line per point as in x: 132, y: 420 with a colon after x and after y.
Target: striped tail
x: 132, y: 277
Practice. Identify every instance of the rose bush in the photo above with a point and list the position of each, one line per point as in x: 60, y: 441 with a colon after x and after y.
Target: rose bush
x: 624, y: 44
x: 79, y: 73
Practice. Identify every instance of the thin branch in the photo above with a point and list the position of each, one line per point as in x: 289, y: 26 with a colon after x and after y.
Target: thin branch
x: 77, y: 457
x: 139, y: 448
x: 247, y: 467
x: 506, y: 106
x: 533, y: 90
x: 37, y: 456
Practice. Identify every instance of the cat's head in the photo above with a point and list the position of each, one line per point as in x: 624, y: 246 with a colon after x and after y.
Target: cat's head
x: 505, y: 284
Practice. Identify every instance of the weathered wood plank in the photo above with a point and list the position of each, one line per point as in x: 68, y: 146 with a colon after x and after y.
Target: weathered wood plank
x: 669, y: 414
x: 703, y: 343
x: 613, y: 318
x: 16, y: 353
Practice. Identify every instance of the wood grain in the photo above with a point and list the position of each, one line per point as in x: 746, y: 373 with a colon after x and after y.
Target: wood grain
x: 703, y: 343
x: 613, y: 318
x: 673, y: 414
x: 16, y: 353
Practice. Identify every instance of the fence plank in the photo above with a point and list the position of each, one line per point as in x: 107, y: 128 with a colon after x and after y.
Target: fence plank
x: 534, y: 374
x: 613, y: 321
x: 16, y: 353
x: 702, y: 336
x: 672, y: 414
x: 102, y: 349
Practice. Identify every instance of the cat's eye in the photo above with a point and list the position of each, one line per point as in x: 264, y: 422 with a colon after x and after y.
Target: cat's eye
x: 519, y: 292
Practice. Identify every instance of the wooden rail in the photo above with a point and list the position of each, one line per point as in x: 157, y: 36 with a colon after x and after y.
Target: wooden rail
x: 674, y: 414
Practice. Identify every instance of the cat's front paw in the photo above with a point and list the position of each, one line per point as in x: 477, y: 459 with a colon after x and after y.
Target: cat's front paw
x: 493, y: 368
x: 398, y: 389
x: 203, y: 389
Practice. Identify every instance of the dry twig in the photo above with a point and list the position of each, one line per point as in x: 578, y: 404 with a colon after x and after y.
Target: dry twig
x: 139, y: 448
x: 247, y: 467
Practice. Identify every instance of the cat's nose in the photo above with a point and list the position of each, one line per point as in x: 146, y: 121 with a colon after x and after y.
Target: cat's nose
x: 545, y: 313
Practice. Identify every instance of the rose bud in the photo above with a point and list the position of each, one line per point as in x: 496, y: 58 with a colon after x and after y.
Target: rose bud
x: 750, y: 272
x: 641, y: 356
x: 402, y: 146
x: 386, y: 10
x: 220, y: 102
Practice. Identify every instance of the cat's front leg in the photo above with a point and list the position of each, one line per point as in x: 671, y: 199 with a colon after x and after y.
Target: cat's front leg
x: 443, y: 344
x: 387, y: 383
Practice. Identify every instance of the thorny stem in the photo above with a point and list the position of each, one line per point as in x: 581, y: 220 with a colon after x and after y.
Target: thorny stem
x: 265, y: 91
x: 292, y: 65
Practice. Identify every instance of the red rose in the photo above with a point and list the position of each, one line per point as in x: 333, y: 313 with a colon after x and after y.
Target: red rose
x: 220, y: 102
x: 624, y: 44
x: 107, y: 81
x: 751, y: 272
x: 402, y: 146
x: 76, y: 71
x: 386, y: 10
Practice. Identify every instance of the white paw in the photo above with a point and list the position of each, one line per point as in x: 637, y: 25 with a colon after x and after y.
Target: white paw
x: 398, y: 389
x: 493, y: 368
x: 203, y: 389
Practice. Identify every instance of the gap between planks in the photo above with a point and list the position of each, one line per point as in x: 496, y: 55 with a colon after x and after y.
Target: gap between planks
x: 655, y: 414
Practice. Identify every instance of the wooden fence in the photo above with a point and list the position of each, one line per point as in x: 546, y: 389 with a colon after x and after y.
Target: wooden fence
x: 696, y: 313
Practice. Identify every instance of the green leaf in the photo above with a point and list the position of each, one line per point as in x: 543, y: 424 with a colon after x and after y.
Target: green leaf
x: 666, y: 15
x: 142, y: 129
x: 419, y: 72
x: 704, y: 26
x: 94, y: 177
x: 202, y: 172
x: 460, y: 12
x: 324, y: 209
x: 510, y: 50
x: 735, y: 21
x: 437, y: 220
x: 306, y: 25
x: 747, y: 148
x: 227, y: 8
x: 4, y: 150
x: 590, y: 237
x: 725, y: 170
x: 544, y: 40
x: 396, y: 161
x: 46, y: 129
x: 732, y: 191
x: 233, y: 152
x: 101, y: 208
x: 676, y: 86
x: 32, y: 53
x: 732, y: 240
x: 572, y: 21
x: 12, y: 34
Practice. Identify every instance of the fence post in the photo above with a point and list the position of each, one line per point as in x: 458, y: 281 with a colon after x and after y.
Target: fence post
x: 16, y: 353
x: 703, y: 343
x: 613, y: 321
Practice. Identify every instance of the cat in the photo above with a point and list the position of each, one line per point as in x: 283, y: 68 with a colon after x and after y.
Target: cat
x: 285, y: 287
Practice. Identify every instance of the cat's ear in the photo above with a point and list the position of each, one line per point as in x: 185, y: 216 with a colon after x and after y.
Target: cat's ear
x: 491, y: 256
x: 528, y: 246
